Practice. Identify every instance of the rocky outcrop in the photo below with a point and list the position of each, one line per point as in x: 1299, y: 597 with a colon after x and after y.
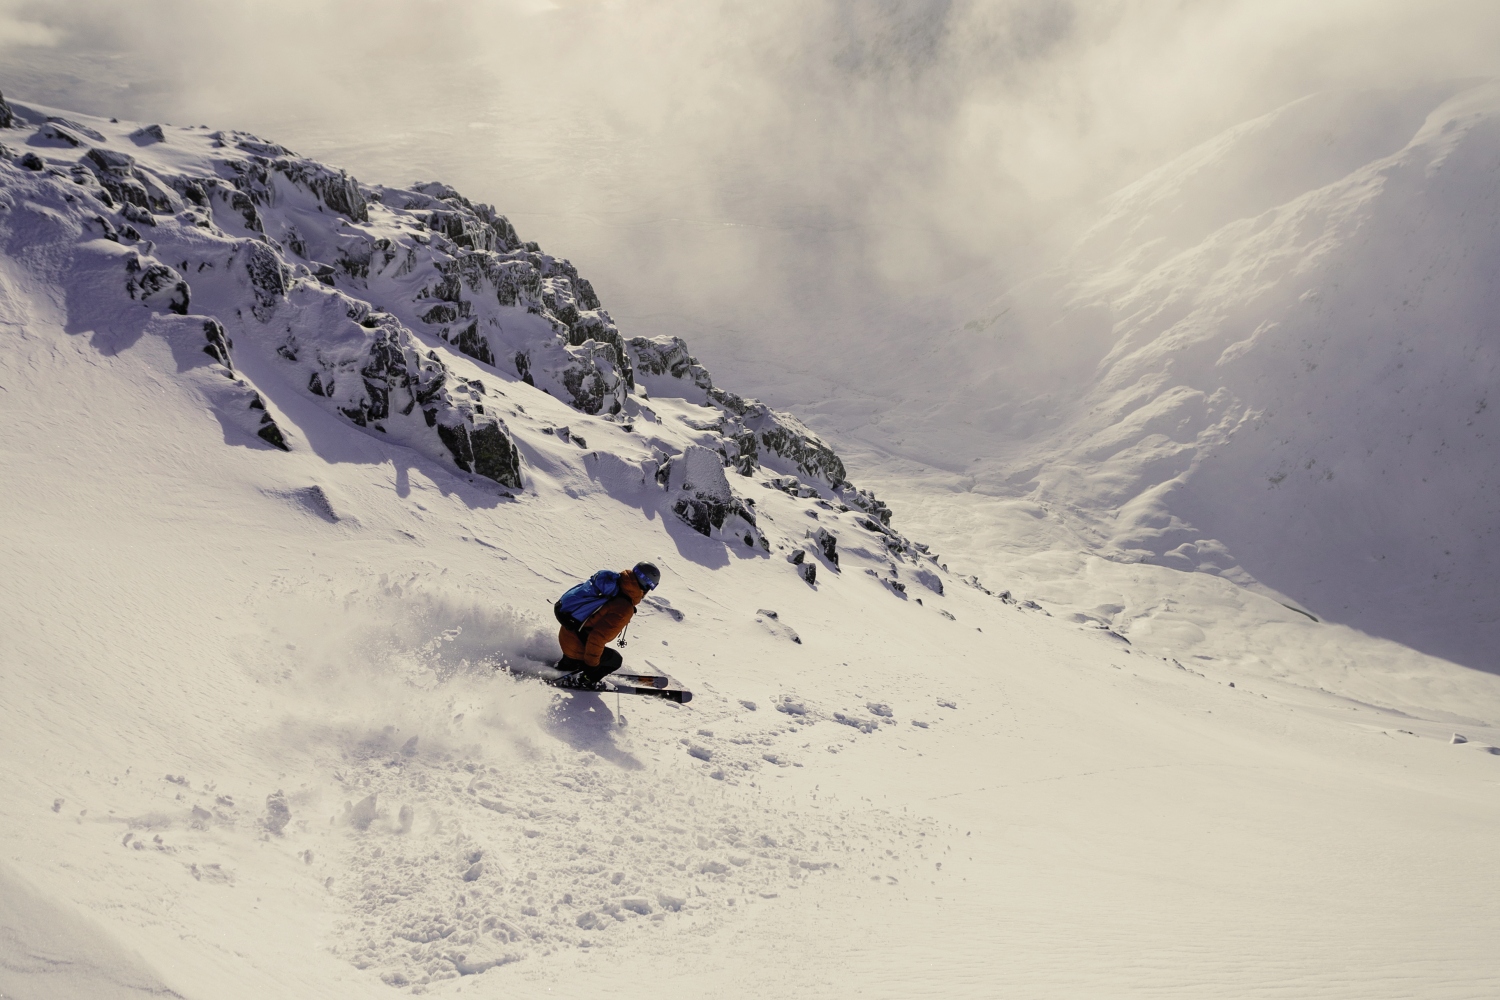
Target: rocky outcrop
x: 7, y: 115
x: 122, y: 184
x: 373, y: 370
x: 754, y: 434
x: 581, y: 358
x: 151, y: 283
x: 334, y: 188
x: 483, y: 447
x: 701, y: 497
x: 239, y: 403
x: 308, y: 252
x: 669, y: 356
x: 828, y: 544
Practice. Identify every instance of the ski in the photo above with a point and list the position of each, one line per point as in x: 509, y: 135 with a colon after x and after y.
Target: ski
x: 680, y: 695
x: 618, y: 684
x: 642, y: 680
x: 655, y: 685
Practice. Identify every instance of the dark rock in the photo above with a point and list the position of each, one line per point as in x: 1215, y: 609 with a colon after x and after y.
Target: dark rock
x: 56, y: 134
x: 109, y: 160
x: 32, y: 162
x: 148, y: 134
x: 501, y: 235
x: 700, y: 493
x: 827, y: 543
x: 117, y: 174
x: 598, y: 327
x: 271, y: 434
x: 146, y: 280
x: 785, y: 437
x: 758, y: 432
x: 517, y: 282
x: 496, y: 455
x: 593, y: 378
x: 398, y: 377
x: 7, y: 116
x: 866, y: 501
x: 443, y: 312
x: 334, y: 188
x: 354, y: 259
x: 486, y: 450
x: 192, y: 190
x: 218, y: 344
x: 138, y: 215
x: 465, y: 229
x: 76, y: 127
x: 258, y: 147
x: 669, y: 356
x: 268, y: 278
x: 745, y: 452
x: 245, y: 205
x: 471, y: 343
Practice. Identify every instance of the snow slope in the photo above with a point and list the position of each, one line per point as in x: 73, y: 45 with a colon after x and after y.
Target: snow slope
x: 259, y: 741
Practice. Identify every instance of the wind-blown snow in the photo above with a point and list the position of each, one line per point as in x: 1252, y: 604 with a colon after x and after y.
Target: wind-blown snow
x: 260, y: 742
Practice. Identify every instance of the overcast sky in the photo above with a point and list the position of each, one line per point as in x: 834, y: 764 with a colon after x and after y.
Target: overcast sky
x: 767, y: 177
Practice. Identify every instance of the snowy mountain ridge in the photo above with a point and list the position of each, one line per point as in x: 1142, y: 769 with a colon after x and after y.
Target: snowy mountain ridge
x: 1269, y: 360
x: 222, y: 236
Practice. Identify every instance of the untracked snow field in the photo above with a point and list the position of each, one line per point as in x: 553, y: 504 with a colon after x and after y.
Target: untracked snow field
x: 259, y: 739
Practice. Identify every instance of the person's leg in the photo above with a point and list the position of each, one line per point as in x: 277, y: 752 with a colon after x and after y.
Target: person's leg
x: 571, y: 644
x: 609, y: 661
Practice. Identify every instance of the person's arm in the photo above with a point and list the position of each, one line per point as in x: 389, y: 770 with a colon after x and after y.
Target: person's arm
x: 606, y: 623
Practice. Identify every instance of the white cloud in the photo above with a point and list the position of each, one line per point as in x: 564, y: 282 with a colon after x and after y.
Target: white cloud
x: 15, y: 32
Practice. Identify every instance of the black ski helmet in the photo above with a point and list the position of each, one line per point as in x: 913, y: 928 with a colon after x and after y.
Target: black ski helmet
x: 647, y: 575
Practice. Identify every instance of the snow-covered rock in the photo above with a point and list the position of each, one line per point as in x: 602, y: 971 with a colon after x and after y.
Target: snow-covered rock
x: 700, y: 495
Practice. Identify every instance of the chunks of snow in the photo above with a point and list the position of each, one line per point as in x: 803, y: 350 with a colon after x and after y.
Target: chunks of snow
x: 278, y: 813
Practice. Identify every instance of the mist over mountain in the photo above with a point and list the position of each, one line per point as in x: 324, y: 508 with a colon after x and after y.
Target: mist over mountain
x: 817, y: 174
x: 1283, y: 369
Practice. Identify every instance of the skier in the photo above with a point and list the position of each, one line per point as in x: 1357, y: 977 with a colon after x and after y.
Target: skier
x: 592, y: 614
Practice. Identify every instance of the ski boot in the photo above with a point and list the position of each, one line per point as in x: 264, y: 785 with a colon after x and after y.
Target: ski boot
x: 578, y: 680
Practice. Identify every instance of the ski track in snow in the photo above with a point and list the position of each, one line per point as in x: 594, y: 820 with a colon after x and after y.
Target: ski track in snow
x: 565, y: 850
